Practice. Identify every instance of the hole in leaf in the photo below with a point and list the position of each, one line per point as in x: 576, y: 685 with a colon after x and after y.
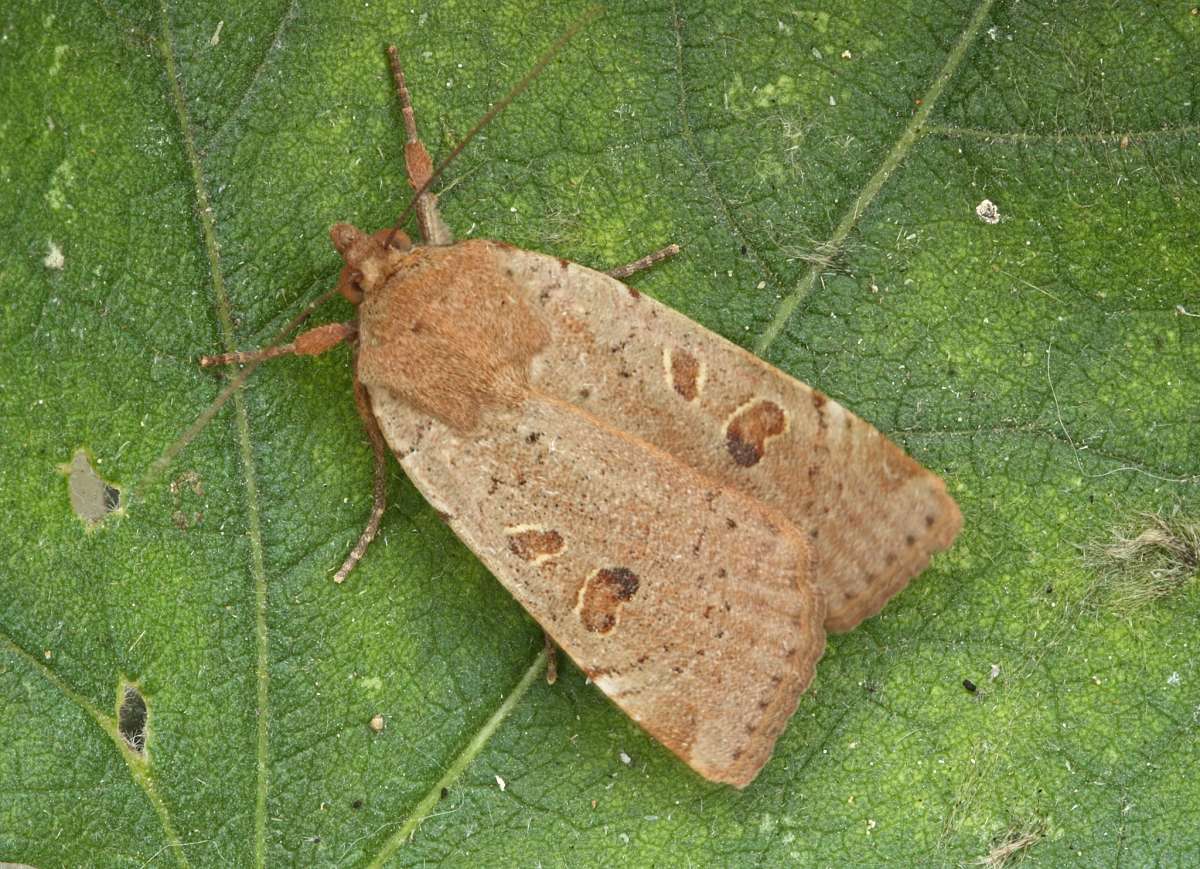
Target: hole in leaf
x: 92, y: 497
x: 131, y: 719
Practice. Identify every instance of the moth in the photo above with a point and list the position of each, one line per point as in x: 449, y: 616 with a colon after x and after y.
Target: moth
x: 682, y: 519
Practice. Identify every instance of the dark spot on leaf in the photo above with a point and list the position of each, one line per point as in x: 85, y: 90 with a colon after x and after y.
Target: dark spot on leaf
x: 131, y: 719
x: 357, y: 804
x: 929, y: 520
x: 633, y: 292
x: 445, y: 793
x: 585, y: 393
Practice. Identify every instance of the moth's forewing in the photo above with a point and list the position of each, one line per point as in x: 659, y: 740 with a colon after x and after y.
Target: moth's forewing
x: 874, y: 516
x: 683, y: 519
x: 686, y: 603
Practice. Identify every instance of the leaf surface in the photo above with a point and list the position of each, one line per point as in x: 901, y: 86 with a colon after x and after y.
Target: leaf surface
x: 168, y: 175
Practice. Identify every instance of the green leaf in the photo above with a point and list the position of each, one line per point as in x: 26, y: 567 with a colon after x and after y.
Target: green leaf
x: 168, y: 176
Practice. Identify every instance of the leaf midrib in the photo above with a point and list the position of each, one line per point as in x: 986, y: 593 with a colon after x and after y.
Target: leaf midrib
x: 207, y: 221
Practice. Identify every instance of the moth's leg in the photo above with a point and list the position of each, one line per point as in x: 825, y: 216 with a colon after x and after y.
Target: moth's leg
x: 551, y: 660
x: 363, y: 402
x: 418, y: 163
x: 310, y: 343
x: 643, y: 263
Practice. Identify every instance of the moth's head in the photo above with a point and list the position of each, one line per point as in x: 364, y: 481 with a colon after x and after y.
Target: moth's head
x: 370, y: 259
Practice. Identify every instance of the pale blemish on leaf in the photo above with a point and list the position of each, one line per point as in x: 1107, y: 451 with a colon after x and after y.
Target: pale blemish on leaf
x: 60, y: 51
x: 741, y: 99
x: 1146, y: 560
x: 181, y: 486
x: 62, y: 178
x: 1011, y: 846
x: 54, y: 258
x: 92, y: 497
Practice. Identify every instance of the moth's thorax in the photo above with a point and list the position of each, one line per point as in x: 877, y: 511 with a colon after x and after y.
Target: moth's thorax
x: 449, y: 332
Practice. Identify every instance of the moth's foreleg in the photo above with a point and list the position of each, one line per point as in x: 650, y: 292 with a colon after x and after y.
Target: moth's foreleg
x: 418, y: 163
x: 310, y: 343
x: 643, y: 263
x: 363, y: 402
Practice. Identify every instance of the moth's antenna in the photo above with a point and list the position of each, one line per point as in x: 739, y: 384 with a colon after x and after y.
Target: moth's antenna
x: 164, y: 461
x: 517, y: 89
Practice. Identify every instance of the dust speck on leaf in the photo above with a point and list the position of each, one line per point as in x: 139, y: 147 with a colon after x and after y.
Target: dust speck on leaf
x: 131, y: 718
x: 987, y: 211
x: 92, y: 497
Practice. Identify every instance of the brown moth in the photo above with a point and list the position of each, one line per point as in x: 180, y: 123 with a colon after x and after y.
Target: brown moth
x: 685, y: 521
